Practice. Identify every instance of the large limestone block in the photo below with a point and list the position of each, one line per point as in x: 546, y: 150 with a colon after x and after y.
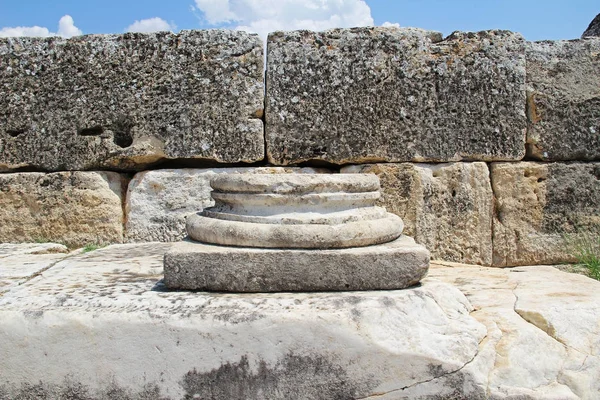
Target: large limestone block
x: 563, y: 99
x: 159, y: 201
x: 127, y: 101
x: 386, y: 94
x: 543, y: 331
x: 542, y: 210
x: 74, y: 208
x: 101, y: 324
x: 445, y: 207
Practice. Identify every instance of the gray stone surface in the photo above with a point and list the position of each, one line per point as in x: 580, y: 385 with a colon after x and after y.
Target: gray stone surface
x: 543, y: 333
x: 73, y: 208
x: 543, y: 211
x: 22, y: 262
x: 593, y: 29
x: 386, y: 94
x: 446, y: 207
x: 197, y: 266
x: 159, y: 201
x: 127, y: 101
x: 100, y: 325
x: 563, y: 100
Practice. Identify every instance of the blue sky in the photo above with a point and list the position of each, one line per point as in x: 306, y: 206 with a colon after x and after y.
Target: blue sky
x: 551, y: 19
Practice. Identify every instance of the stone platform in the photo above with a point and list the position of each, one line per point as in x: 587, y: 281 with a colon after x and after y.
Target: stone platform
x: 196, y: 266
x: 101, y: 325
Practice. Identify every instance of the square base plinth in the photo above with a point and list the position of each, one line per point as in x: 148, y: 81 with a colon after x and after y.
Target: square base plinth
x: 198, y: 266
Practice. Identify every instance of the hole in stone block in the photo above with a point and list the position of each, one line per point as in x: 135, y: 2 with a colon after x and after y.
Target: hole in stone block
x: 92, y: 131
x: 122, y: 127
x: 541, y: 180
x: 15, y: 132
x: 123, y: 139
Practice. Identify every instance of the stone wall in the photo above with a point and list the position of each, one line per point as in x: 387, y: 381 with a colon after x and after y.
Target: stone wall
x: 488, y: 146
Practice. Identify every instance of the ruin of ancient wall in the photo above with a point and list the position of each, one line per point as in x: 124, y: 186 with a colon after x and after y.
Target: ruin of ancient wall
x: 487, y: 146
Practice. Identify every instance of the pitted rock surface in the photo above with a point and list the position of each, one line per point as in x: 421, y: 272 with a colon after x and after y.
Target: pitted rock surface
x: 128, y: 101
x: 386, y: 94
x: 563, y: 100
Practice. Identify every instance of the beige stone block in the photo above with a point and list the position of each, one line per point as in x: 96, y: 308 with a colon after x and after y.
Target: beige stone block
x: 542, y: 209
x: 445, y: 207
x: 74, y: 208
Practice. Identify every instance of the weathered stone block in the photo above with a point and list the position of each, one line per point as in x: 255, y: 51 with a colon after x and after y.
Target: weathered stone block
x: 159, y: 201
x: 541, y: 209
x: 385, y: 94
x: 563, y: 99
x: 101, y: 325
x: 394, y: 265
x: 445, y: 207
x: 74, y: 208
x: 127, y: 101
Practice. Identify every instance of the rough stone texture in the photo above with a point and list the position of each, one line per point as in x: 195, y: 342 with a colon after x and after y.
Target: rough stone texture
x: 127, y: 101
x: 73, y: 208
x: 159, y: 201
x: 446, y: 207
x: 593, y: 29
x: 543, y: 333
x: 386, y: 94
x: 102, y: 324
x: 542, y: 210
x: 393, y: 265
x: 563, y: 100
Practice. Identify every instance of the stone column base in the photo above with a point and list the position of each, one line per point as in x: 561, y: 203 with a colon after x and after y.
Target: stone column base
x: 197, y: 266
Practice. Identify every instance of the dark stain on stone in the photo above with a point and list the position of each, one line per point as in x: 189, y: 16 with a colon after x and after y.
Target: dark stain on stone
x: 70, y: 390
x: 293, y: 377
x: 33, y: 314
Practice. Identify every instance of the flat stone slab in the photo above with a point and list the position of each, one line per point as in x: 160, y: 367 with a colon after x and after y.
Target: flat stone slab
x: 543, y: 331
x: 101, y: 325
x: 197, y: 266
x: 20, y: 262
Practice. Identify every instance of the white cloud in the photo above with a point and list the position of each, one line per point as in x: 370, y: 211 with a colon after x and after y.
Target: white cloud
x: 66, y: 28
x: 151, y: 25
x: 264, y: 16
x: 387, y: 24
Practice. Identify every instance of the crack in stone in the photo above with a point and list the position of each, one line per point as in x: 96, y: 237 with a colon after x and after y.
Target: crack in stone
x: 46, y: 268
x: 375, y: 395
